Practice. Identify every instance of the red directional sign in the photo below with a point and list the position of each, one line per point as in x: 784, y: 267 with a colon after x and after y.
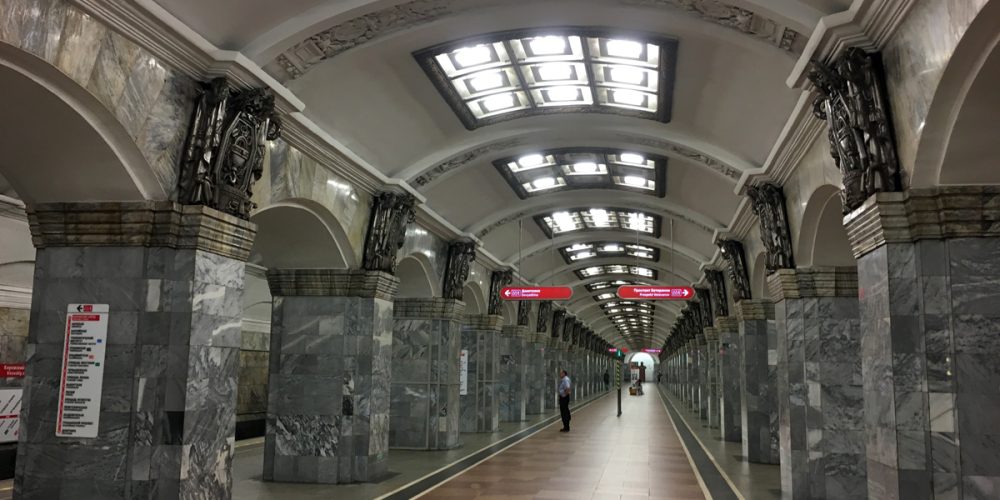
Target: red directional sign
x: 652, y: 351
x: 639, y: 292
x: 536, y: 293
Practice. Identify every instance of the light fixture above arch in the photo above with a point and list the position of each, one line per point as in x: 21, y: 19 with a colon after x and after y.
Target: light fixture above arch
x: 599, y: 219
x: 511, y: 74
x: 555, y: 170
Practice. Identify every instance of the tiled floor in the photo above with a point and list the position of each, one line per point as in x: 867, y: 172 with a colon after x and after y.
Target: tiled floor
x: 637, y: 455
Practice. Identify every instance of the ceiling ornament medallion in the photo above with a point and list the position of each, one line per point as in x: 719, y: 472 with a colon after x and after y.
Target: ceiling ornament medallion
x: 298, y: 60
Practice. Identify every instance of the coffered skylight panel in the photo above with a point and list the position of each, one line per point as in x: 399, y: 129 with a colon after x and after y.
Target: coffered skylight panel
x: 506, y: 75
x: 611, y: 285
x: 583, y: 251
x: 580, y: 219
x: 552, y: 171
x: 592, y: 271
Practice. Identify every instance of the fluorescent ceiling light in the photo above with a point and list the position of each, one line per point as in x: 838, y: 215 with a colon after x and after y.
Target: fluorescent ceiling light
x: 555, y: 72
x: 634, y: 180
x: 543, y: 183
x: 582, y: 255
x: 624, y: 48
x: 600, y: 217
x: 562, y: 94
x: 548, y: 45
x: 632, y: 158
x: 612, y: 248
x: 579, y: 246
x: 627, y: 74
x: 585, y: 167
x: 472, y: 56
x: 499, y: 101
x: 487, y: 81
x: 629, y: 97
x: 528, y: 161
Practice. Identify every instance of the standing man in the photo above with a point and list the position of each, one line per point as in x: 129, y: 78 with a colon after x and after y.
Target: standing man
x: 607, y: 380
x: 565, y: 389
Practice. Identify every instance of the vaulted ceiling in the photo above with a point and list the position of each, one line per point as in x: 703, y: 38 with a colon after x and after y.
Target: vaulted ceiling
x: 356, y: 64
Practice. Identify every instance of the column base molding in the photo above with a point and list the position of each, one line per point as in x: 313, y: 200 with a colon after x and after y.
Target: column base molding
x: 754, y: 309
x: 813, y: 282
x: 436, y: 308
x: 332, y: 283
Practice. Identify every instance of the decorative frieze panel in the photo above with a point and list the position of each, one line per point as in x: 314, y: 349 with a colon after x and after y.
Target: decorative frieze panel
x: 390, y: 214
x: 717, y: 287
x: 224, y: 152
x: 523, y: 313
x: 854, y: 104
x: 460, y: 257
x: 732, y: 251
x: 768, y: 202
x: 705, y: 300
x: 544, y: 314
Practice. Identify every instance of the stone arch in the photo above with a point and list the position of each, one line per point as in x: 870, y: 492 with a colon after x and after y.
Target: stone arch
x: 822, y: 237
x: 758, y: 277
x: 416, y: 277
x: 300, y: 233
x: 475, y: 302
x: 44, y: 106
x: 958, y: 140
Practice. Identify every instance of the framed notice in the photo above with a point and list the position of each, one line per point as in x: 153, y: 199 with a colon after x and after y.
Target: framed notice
x: 82, y: 376
x: 10, y: 411
x: 463, y: 372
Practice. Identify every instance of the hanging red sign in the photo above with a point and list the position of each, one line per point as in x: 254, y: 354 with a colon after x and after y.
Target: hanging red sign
x: 652, y: 351
x: 536, y: 293
x: 639, y: 292
x: 12, y: 370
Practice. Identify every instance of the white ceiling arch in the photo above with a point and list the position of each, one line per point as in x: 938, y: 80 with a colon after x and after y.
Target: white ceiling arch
x: 666, y: 247
x: 568, y: 270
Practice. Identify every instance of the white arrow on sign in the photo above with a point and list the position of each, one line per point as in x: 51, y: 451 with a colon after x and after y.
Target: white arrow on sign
x: 506, y: 293
x: 685, y: 292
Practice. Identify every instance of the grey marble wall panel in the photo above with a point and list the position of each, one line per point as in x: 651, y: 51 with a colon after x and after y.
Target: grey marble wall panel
x: 730, y: 376
x: 511, y: 371
x: 704, y: 366
x: 535, y: 378
x: 758, y: 384
x: 329, y: 389
x: 480, y: 411
x: 553, y: 362
x: 424, y: 399
x: 929, y: 319
x: 819, y: 395
x: 712, y: 377
x: 168, y: 407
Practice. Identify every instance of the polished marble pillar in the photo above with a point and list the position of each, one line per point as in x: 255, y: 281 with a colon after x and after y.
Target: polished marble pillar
x: 511, y: 384
x: 712, y: 375
x: 480, y: 409
x: 172, y: 277
x: 821, y: 424
x: 928, y: 262
x: 553, y: 363
x: 758, y: 382
x: 701, y: 346
x: 535, y: 373
x: 730, y: 377
x: 424, y: 396
x: 329, y: 375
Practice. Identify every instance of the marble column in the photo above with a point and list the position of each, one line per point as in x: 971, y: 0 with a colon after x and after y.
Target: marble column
x: 536, y: 355
x: 703, y: 368
x: 553, y: 363
x: 480, y: 410
x: 172, y: 277
x: 712, y: 375
x: 730, y: 376
x: 758, y: 382
x: 928, y: 262
x: 423, y: 398
x: 329, y: 375
x: 694, y: 376
x: 511, y: 390
x: 821, y: 423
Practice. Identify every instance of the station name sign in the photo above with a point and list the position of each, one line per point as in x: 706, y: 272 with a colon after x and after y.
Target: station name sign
x: 639, y: 292
x: 536, y: 293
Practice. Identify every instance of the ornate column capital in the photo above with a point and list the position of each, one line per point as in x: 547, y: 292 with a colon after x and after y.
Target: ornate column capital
x: 141, y: 224
x: 331, y: 283
x: 768, y: 203
x: 544, y: 315
x: 461, y: 254
x: 813, y: 282
x: 732, y: 252
x: 754, y: 309
x: 390, y: 214
x: 434, y: 307
x: 523, y: 313
x: 498, y: 280
x: 924, y: 214
x: 717, y: 287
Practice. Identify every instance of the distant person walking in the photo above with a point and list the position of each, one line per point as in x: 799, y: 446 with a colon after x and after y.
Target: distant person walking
x: 565, y: 390
x: 607, y: 379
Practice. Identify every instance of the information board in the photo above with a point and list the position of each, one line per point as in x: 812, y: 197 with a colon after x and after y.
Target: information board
x: 463, y: 372
x: 10, y: 410
x: 82, y: 370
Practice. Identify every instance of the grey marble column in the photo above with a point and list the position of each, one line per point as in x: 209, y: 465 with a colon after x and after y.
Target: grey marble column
x: 701, y: 345
x: 730, y: 377
x: 712, y: 375
x: 480, y: 409
x: 928, y: 262
x: 758, y: 383
x: 694, y: 376
x: 553, y: 363
x: 329, y: 383
x: 511, y: 383
x: 535, y: 374
x: 821, y: 422
x: 172, y: 277
x: 424, y: 399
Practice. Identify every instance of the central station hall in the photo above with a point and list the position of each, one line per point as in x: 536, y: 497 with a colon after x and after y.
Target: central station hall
x: 499, y: 249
